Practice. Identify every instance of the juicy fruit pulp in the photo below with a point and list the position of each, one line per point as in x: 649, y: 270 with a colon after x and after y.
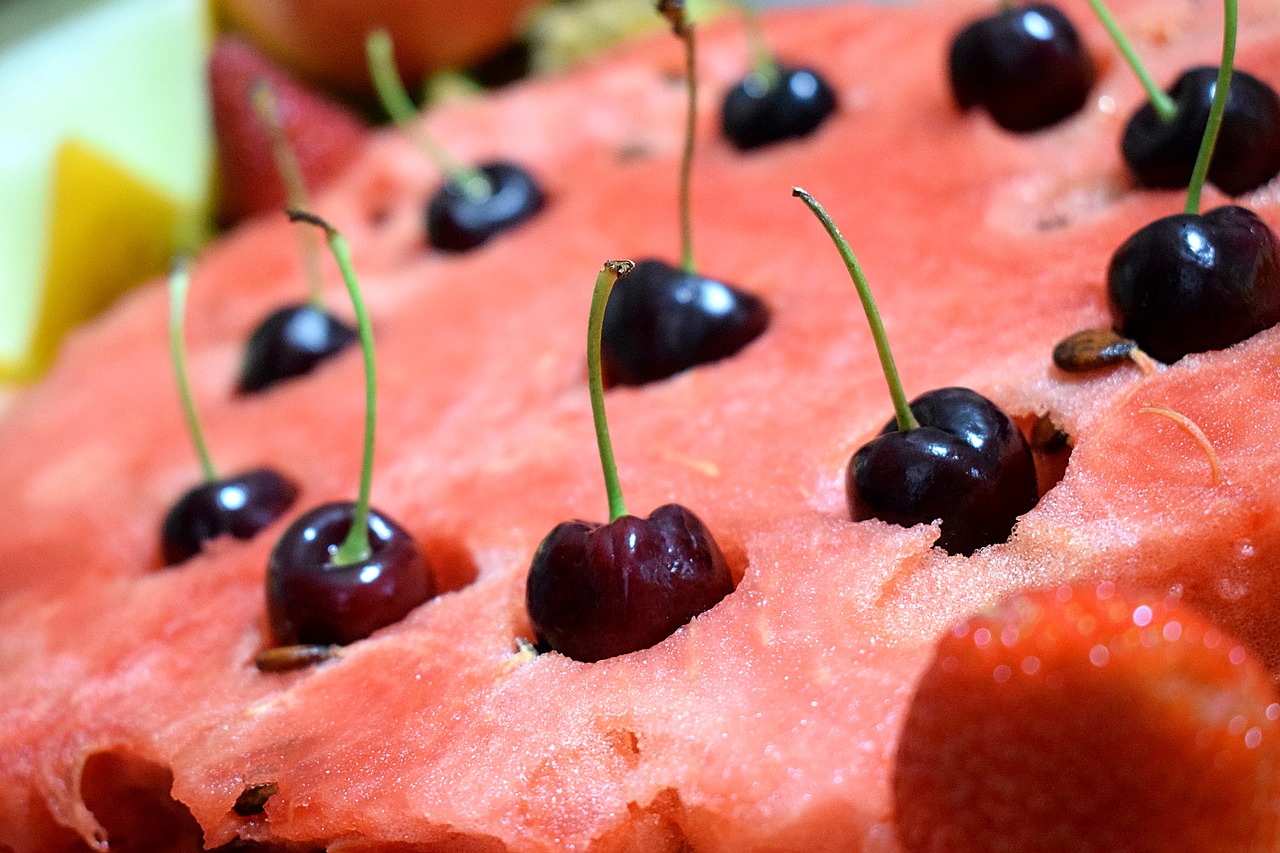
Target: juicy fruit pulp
x: 238, y: 506
x: 1190, y: 283
x: 596, y: 591
x: 757, y: 112
x: 1026, y: 66
x: 661, y: 320
x: 1162, y: 154
x: 457, y: 221
x: 966, y: 464
x: 1017, y: 726
x: 311, y: 600
x: 291, y: 342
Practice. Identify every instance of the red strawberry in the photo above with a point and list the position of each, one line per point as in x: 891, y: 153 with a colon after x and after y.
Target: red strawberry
x: 325, y: 136
x: 1085, y: 720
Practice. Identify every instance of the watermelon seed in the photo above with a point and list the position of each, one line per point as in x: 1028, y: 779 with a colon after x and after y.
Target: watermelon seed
x: 950, y: 455
x: 238, y: 506
x: 253, y: 799
x: 290, y: 658
x: 475, y: 203
x: 1097, y: 349
x: 343, y: 570
x: 1046, y: 437
x: 1192, y: 429
x: 595, y: 591
x: 774, y: 102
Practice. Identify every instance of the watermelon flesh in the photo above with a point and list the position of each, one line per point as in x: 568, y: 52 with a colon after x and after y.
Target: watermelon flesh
x: 770, y: 722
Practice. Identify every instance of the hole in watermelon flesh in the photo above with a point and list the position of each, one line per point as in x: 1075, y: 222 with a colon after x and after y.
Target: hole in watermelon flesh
x: 1050, y: 452
x: 129, y: 797
x: 450, y: 560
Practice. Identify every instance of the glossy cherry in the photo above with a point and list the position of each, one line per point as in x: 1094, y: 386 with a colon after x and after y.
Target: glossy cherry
x: 344, y: 570
x: 966, y: 464
x: 1191, y: 283
x: 600, y: 590
x: 1162, y: 153
x: 237, y: 506
x: 789, y: 104
x: 311, y: 599
x: 1025, y: 65
x: 459, y: 219
x: 661, y: 320
x: 290, y: 342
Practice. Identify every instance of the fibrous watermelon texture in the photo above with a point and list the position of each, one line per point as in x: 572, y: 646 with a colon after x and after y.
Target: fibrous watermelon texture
x: 772, y: 721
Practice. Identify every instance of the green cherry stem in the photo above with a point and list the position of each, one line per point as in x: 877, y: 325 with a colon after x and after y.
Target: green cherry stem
x: 609, y: 275
x: 764, y: 67
x: 263, y: 99
x: 674, y: 12
x: 1216, y: 108
x: 355, y: 548
x: 1164, y: 106
x: 397, y: 103
x: 902, y: 410
x: 179, y: 283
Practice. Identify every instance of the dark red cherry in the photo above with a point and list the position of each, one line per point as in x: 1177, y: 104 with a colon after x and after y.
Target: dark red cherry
x: 237, y: 506
x: 1192, y: 283
x: 757, y: 113
x: 600, y: 590
x: 661, y: 320
x: 1026, y: 66
x: 291, y: 342
x: 1162, y: 154
x: 310, y: 600
x: 457, y: 222
x: 966, y: 464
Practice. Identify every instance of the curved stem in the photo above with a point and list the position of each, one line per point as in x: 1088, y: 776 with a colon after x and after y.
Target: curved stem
x: 764, y: 67
x: 901, y: 408
x: 264, y: 104
x: 1164, y: 105
x: 1216, y: 109
x: 396, y: 101
x: 609, y: 274
x: 355, y: 548
x: 179, y: 282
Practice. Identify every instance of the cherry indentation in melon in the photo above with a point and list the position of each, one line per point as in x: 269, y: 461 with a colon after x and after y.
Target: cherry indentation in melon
x: 129, y: 797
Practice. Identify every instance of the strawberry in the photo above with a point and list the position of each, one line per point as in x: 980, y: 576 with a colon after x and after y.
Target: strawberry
x: 1081, y: 719
x: 325, y: 135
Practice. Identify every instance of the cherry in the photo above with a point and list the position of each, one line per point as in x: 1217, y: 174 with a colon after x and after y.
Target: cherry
x: 236, y: 506
x: 781, y: 102
x: 313, y: 599
x: 290, y: 342
x: 1161, y: 153
x: 599, y: 590
x: 343, y: 570
x: 474, y: 204
x: 1026, y: 66
x: 966, y: 464
x: 1190, y: 283
x: 458, y: 220
x: 950, y: 455
x: 661, y: 320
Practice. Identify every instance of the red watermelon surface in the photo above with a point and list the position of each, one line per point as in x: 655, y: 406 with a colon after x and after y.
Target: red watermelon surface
x: 133, y: 716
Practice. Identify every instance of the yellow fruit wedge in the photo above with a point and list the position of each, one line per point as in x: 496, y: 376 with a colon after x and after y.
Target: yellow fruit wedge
x: 108, y: 230
x: 105, y: 158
